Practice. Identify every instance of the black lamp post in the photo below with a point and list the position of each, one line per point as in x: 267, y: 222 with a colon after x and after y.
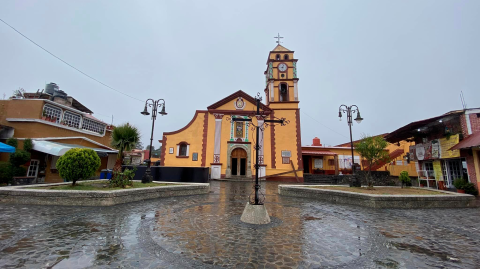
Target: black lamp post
x: 147, y: 177
x: 349, y: 110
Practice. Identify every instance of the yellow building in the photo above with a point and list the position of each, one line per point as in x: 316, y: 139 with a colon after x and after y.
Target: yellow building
x: 212, y: 140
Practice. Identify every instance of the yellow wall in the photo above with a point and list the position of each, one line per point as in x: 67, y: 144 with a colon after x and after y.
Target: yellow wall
x: 193, y: 135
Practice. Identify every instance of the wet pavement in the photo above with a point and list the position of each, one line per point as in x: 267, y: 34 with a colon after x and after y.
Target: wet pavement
x: 205, y: 231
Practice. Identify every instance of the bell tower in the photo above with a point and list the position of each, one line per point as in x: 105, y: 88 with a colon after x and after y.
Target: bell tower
x: 281, y: 77
x: 281, y: 92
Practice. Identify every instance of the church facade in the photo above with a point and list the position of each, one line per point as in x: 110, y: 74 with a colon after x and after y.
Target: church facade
x: 212, y: 139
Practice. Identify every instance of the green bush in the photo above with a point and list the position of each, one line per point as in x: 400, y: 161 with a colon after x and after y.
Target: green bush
x: 470, y: 189
x: 459, y: 183
x: 20, y: 157
x: 18, y: 171
x: 12, y: 142
x: 78, y: 163
x: 28, y: 145
x: 5, y: 173
x: 123, y: 179
x: 404, y: 178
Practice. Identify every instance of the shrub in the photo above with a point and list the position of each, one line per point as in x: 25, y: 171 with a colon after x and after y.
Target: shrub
x: 404, y: 178
x: 470, y: 189
x: 459, y: 183
x: 78, y: 164
x: 12, y: 142
x: 5, y: 173
x: 20, y: 157
x: 124, y: 179
x: 28, y: 145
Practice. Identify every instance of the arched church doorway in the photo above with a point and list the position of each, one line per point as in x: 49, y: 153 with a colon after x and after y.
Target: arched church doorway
x: 239, y: 162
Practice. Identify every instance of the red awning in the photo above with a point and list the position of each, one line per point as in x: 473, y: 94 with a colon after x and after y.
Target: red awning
x: 471, y: 141
x: 311, y: 152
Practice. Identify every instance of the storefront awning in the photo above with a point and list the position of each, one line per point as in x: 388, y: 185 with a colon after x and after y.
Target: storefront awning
x: 469, y: 142
x: 58, y: 149
x: 321, y: 153
x: 6, y: 148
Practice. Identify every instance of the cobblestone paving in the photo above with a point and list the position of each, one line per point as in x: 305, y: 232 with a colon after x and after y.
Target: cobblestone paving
x: 204, y: 231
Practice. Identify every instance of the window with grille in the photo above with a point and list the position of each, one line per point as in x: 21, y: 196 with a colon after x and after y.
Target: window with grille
x: 72, y: 120
x: 331, y: 162
x: 183, y: 150
x: 53, y: 112
x: 93, y: 126
x: 33, y: 168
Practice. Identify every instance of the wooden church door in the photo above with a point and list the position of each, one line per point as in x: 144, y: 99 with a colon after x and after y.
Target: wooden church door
x: 239, y: 162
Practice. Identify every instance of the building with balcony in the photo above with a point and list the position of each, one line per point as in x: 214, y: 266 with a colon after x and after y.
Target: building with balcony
x: 446, y: 147
x: 56, y: 123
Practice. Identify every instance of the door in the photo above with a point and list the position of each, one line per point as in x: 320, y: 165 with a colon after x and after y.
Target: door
x: 239, y: 162
x: 234, y: 166
x: 306, y: 164
x: 243, y: 166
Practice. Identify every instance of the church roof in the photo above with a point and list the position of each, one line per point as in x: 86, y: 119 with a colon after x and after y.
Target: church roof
x: 280, y: 48
x: 233, y: 97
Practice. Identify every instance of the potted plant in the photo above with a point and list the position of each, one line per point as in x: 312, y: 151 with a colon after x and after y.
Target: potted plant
x: 459, y: 184
x: 469, y: 188
x: 44, y: 115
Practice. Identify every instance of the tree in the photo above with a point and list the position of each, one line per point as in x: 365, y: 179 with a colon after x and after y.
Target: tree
x: 18, y: 158
x: 12, y: 142
x: 124, y: 138
x: 28, y: 145
x: 148, y: 147
x: 139, y: 145
x: 372, y: 149
x: 78, y: 163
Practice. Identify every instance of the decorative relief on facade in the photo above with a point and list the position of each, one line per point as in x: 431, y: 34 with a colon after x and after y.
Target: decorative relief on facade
x: 270, y: 70
x: 216, y: 158
x: 294, y: 69
x: 218, y: 116
x: 239, y: 103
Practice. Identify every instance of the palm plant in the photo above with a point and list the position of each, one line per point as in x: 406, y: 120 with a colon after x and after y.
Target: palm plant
x: 124, y: 138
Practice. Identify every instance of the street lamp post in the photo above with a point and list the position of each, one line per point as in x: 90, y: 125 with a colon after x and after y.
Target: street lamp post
x: 349, y: 110
x: 147, y: 177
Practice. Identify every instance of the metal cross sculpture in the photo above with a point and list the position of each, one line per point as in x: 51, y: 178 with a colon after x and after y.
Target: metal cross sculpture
x: 278, y: 37
x: 256, y: 200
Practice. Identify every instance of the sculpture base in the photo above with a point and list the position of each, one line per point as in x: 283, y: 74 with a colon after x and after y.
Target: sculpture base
x: 255, y: 214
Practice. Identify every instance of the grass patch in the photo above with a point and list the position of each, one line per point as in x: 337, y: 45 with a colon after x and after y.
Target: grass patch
x: 382, y: 190
x: 97, y: 186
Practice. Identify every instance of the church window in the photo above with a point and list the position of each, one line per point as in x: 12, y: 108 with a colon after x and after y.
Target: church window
x: 182, y: 149
x: 238, y: 129
x: 285, y: 57
x: 277, y: 57
x: 283, y: 92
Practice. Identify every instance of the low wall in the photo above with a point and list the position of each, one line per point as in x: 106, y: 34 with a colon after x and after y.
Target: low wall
x: 380, y: 201
x: 27, y: 195
x: 173, y: 174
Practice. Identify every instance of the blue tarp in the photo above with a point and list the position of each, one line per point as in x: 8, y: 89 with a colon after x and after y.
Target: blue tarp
x: 6, y: 148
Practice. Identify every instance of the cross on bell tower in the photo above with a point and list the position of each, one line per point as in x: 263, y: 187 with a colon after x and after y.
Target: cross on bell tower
x: 278, y: 37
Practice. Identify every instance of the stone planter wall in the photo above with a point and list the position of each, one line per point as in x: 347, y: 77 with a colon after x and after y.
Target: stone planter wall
x: 26, y: 195
x: 454, y: 200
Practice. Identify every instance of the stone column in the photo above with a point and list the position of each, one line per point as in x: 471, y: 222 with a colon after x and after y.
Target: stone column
x: 216, y: 167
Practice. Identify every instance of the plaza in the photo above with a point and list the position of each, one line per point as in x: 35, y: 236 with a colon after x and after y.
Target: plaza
x: 205, y: 231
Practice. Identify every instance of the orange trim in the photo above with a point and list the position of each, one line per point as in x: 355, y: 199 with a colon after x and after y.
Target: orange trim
x: 188, y: 125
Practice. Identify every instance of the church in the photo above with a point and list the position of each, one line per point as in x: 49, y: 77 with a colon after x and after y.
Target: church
x: 212, y: 139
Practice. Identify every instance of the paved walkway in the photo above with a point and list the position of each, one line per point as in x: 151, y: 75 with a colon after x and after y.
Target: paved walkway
x: 205, y: 232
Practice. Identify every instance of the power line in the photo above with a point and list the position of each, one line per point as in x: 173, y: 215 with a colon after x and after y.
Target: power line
x: 70, y: 64
x: 324, y: 125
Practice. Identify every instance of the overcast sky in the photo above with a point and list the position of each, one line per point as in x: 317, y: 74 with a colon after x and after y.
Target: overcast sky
x: 399, y: 61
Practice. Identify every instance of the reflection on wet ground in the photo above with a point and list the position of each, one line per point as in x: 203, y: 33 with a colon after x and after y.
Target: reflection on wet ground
x: 204, y: 231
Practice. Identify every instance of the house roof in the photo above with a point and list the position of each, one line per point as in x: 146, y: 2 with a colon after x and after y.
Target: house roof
x: 75, y: 103
x: 312, y: 152
x: 356, y: 141
x: 234, y: 96
x: 469, y: 142
x: 405, y: 132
